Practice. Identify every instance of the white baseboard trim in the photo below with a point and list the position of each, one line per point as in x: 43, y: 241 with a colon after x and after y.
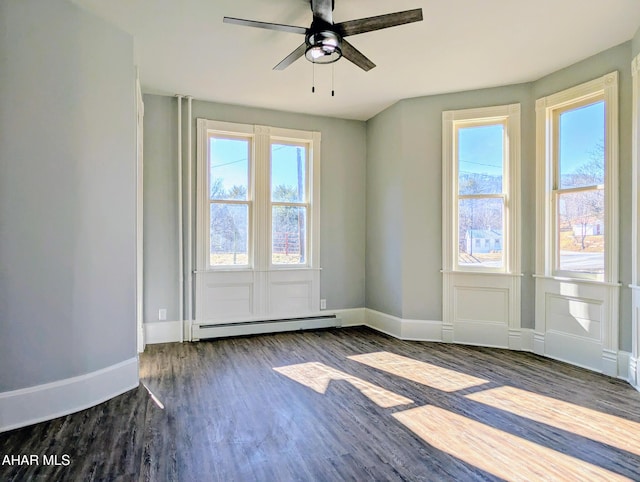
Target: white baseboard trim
x: 624, y: 365
x: 351, y: 316
x: 404, y: 329
x: 634, y: 372
x: 387, y: 324
x: 526, y: 339
x: 27, y: 406
x: 162, y: 332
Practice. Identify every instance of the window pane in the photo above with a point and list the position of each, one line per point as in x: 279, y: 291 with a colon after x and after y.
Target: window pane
x: 288, y: 176
x: 229, y: 234
x: 480, y: 159
x: 229, y: 162
x: 480, y: 233
x: 289, y: 224
x: 581, y: 146
x: 580, y: 231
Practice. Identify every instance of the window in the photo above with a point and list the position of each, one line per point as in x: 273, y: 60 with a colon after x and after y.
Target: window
x: 229, y: 199
x: 480, y: 168
x: 579, y: 188
x: 258, y: 185
x: 577, y: 168
x: 289, y: 203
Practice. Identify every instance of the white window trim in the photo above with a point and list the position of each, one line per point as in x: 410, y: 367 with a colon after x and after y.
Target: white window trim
x: 203, y: 212
x: 607, y: 87
x: 634, y: 359
x: 509, y: 116
x: 260, y: 202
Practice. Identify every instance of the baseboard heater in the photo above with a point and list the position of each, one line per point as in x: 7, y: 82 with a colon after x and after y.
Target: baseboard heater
x: 220, y: 330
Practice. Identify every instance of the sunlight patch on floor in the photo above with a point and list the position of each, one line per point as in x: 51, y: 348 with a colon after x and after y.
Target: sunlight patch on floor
x: 494, y: 451
x: 601, y: 427
x: 317, y: 376
x: 420, y: 372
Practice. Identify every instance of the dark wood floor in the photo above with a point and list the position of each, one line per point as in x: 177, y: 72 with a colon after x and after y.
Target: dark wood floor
x: 345, y: 404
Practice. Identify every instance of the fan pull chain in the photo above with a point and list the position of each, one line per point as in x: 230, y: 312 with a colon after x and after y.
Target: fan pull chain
x: 333, y: 76
x: 313, y: 78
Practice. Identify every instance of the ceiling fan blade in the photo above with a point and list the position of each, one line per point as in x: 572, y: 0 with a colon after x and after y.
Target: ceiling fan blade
x: 267, y: 25
x: 352, y: 54
x: 291, y: 58
x: 323, y: 9
x: 362, y: 25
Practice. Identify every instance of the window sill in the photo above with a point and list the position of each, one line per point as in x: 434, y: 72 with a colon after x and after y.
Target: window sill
x: 577, y: 280
x: 484, y: 273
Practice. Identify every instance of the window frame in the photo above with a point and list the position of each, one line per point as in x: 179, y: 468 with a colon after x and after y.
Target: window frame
x: 259, y: 195
x: 249, y: 202
x: 306, y: 204
x: 548, y: 111
x: 452, y: 121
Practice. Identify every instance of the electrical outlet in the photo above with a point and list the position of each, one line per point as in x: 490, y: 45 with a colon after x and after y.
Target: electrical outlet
x: 162, y: 314
x: 323, y: 304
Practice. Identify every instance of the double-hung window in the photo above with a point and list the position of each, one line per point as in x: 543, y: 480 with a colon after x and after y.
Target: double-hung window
x: 258, y: 210
x: 481, y: 225
x: 577, y: 182
x: 230, y: 199
x: 289, y: 202
x: 578, y: 187
x: 480, y: 162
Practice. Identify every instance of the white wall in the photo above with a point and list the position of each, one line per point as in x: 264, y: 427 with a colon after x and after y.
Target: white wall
x: 404, y: 143
x: 385, y: 214
x: 67, y: 194
x: 404, y: 200
x: 342, y: 210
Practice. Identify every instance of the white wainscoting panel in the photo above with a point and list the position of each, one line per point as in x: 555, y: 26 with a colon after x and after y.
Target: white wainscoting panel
x: 291, y: 292
x: 27, y: 406
x: 574, y: 316
x: 577, y: 322
x: 482, y: 309
x: 225, y: 294
x: 229, y: 296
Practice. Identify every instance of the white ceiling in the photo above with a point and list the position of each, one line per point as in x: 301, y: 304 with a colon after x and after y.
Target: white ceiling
x: 183, y: 47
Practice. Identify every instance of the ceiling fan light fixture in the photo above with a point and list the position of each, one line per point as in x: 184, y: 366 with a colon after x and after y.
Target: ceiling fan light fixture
x: 323, y: 47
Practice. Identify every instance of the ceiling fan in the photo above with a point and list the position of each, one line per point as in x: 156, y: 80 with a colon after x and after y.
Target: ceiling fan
x: 325, y: 41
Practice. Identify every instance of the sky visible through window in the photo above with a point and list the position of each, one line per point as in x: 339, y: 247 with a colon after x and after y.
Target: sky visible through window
x: 229, y: 161
x: 582, y: 131
x: 480, y: 150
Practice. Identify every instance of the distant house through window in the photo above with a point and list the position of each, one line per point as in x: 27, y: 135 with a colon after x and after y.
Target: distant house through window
x: 481, y: 225
x: 478, y: 169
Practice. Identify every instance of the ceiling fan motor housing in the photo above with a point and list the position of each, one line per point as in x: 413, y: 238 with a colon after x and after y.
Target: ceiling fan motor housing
x: 323, y: 46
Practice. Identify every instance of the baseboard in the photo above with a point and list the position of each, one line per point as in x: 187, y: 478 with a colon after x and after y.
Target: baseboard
x: 404, y: 329
x: 526, y: 339
x: 634, y: 372
x: 162, y: 332
x: 624, y: 365
x: 351, y: 316
x: 387, y: 324
x: 27, y: 406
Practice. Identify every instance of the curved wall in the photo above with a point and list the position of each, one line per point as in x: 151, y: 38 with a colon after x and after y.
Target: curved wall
x: 67, y: 211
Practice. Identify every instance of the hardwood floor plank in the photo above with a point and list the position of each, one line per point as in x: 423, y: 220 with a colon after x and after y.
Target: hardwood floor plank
x: 343, y: 404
